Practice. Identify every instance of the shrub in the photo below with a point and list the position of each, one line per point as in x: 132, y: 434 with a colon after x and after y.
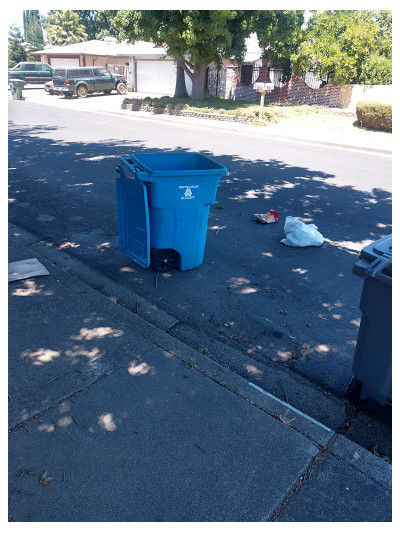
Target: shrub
x: 375, y: 115
x: 376, y: 70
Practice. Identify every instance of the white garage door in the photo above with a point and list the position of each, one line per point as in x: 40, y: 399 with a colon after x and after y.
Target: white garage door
x: 61, y: 62
x: 156, y: 77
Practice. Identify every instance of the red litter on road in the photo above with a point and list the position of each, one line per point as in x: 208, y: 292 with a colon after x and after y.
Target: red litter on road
x: 267, y: 218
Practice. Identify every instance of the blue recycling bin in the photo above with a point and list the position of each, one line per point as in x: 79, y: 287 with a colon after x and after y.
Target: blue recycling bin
x: 163, y: 203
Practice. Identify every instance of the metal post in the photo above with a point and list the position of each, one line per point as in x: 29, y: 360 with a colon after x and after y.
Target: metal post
x: 262, y: 104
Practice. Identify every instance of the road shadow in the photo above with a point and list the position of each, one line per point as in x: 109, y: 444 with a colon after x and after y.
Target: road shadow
x: 294, y: 306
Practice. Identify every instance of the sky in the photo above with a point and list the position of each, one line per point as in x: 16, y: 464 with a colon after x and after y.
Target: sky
x: 14, y: 15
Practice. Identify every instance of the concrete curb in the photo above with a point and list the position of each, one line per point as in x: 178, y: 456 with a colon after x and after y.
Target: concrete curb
x: 325, y: 438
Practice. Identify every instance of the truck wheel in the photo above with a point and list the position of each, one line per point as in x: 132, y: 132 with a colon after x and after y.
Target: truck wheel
x: 121, y: 88
x: 82, y: 91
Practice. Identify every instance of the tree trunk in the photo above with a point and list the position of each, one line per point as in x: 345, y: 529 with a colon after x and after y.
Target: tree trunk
x: 180, y: 86
x: 198, y: 82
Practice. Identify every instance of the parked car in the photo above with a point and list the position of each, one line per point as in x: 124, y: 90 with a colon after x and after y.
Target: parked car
x: 81, y: 81
x: 49, y: 88
x: 31, y: 72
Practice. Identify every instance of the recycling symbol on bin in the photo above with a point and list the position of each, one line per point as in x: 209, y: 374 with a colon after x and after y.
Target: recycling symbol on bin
x: 188, y: 193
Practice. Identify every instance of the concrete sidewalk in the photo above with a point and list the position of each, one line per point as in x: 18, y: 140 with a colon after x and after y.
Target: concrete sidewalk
x: 112, y: 419
x: 328, y: 128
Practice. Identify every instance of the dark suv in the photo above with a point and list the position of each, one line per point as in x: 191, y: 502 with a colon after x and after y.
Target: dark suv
x: 84, y: 80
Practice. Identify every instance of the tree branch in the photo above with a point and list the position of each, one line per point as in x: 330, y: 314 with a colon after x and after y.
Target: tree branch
x: 186, y: 65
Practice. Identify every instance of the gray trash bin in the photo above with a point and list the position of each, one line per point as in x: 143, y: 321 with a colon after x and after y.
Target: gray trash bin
x: 372, y: 363
x: 16, y: 88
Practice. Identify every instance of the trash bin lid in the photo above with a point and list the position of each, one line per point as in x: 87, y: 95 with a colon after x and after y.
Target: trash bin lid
x: 376, y: 260
x: 176, y: 163
x: 133, y: 220
x: 17, y: 82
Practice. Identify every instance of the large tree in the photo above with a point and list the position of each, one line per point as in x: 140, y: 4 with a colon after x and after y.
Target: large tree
x: 348, y: 46
x: 198, y: 38
x: 202, y: 37
x: 16, y: 50
x: 33, y: 32
x: 63, y: 27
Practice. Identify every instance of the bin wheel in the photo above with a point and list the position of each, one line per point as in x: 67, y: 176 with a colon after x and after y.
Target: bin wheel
x: 354, y: 391
x: 164, y: 260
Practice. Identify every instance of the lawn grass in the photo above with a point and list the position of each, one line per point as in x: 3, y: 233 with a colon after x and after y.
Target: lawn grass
x: 273, y: 112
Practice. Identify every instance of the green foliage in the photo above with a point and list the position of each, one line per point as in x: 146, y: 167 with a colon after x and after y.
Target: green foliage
x: 33, y: 33
x: 376, y: 70
x: 374, y: 115
x: 279, y: 34
x: 16, y: 50
x: 97, y: 23
x: 206, y: 34
x: 63, y: 27
x: 339, y: 44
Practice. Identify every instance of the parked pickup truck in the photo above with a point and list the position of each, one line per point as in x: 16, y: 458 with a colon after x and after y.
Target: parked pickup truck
x: 31, y: 72
x: 84, y: 80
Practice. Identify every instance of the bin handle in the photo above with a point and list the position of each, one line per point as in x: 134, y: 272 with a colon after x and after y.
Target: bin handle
x: 375, y: 269
x: 127, y: 161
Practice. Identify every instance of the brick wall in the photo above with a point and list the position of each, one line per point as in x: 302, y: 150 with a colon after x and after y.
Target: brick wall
x: 300, y: 93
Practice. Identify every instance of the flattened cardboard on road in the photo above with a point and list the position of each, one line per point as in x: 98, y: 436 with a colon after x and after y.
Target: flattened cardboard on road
x: 28, y: 268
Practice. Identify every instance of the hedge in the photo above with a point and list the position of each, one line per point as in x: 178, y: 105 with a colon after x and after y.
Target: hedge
x: 374, y: 115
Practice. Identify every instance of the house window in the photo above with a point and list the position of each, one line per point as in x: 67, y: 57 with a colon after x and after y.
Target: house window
x: 246, y: 74
x: 116, y: 69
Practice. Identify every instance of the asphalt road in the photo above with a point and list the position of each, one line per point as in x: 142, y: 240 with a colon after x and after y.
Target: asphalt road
x: 295, y: 306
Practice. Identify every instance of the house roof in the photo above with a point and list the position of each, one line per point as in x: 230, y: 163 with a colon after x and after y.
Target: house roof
x: 107, y: 47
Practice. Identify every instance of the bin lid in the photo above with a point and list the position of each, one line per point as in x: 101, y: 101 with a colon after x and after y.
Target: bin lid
x: 176, y: 163
x: 133, y: 220
x: 376, y: 260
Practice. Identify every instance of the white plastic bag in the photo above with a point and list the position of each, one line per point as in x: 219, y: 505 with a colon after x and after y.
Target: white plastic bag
x: 300, y: 234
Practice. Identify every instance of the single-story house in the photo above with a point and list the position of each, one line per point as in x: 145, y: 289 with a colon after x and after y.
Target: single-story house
x: 86, y: 54
x: 147, y: 68
x: 152, y: 71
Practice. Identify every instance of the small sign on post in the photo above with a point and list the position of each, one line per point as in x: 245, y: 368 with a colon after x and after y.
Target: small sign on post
x: 262, y: 88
